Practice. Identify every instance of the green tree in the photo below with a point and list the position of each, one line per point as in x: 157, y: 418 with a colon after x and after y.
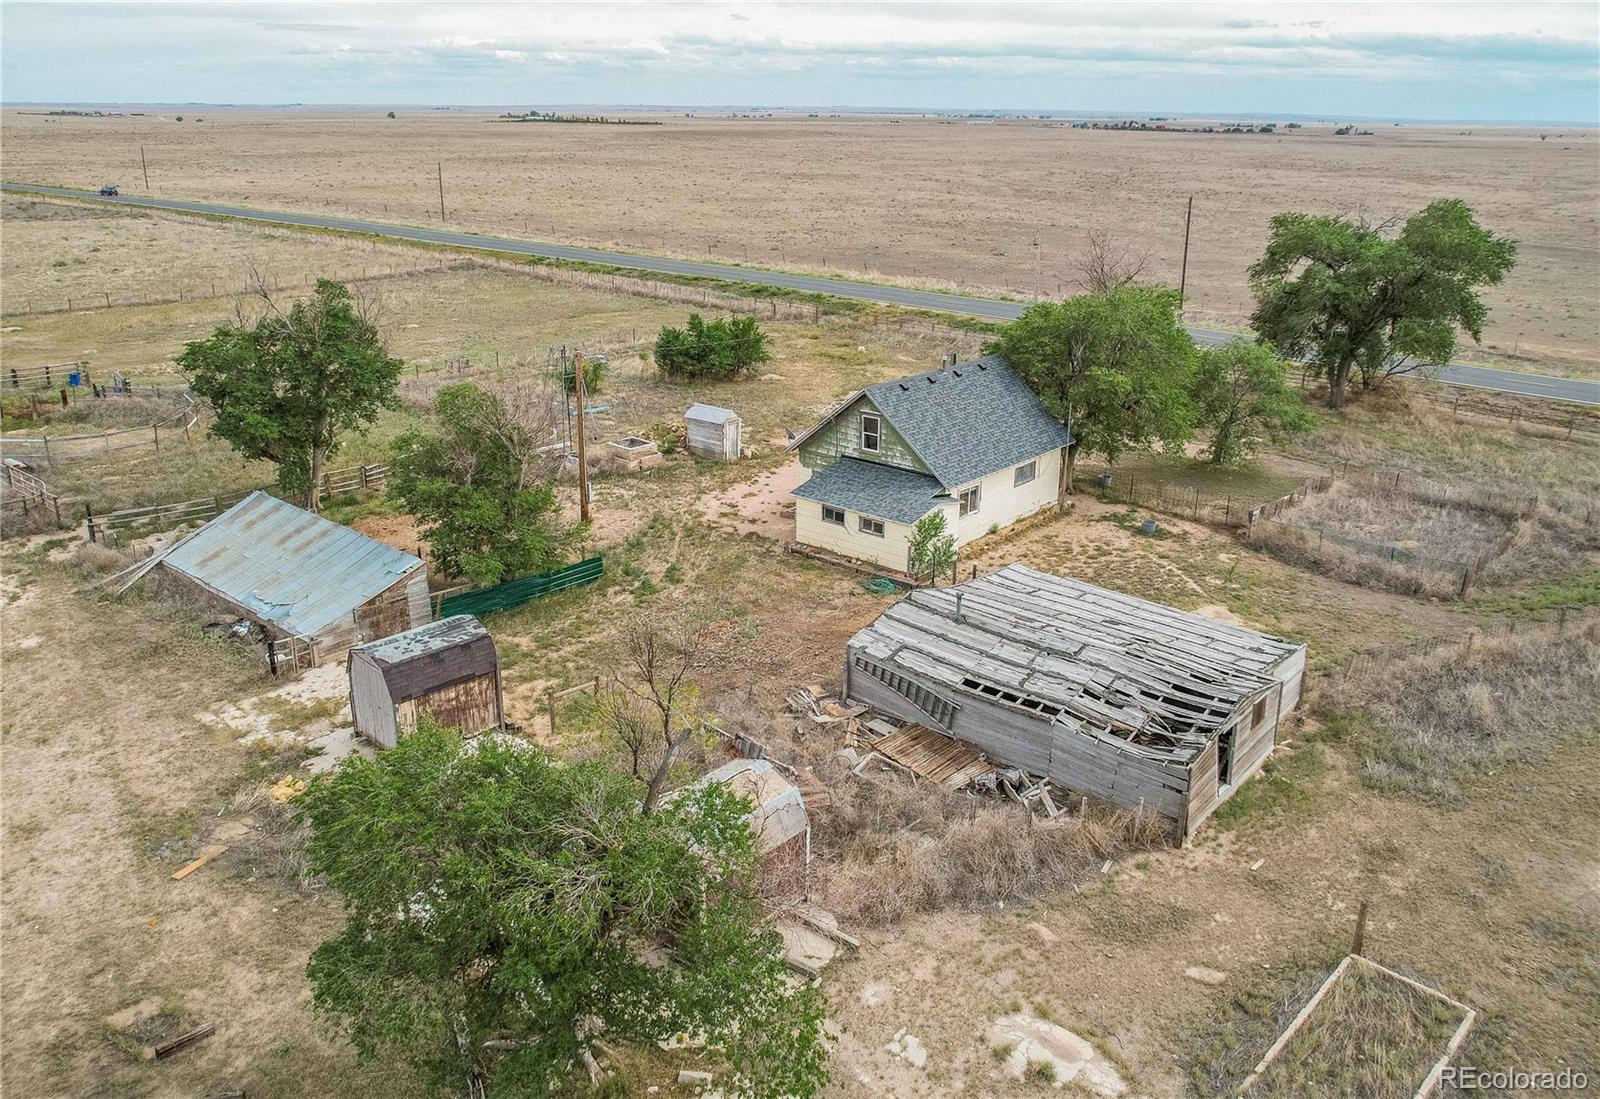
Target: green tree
x: 720, y: 350
x: 933, y: 549
x: 507, y: 915
x: 285, y: 388
x: 1243, y: 397
x: 1115, y: 368
x: 1342, y: 295
x: 481, y: 486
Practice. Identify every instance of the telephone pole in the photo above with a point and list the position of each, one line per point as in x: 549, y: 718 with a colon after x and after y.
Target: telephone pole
x: 583, y: 456
x: 145, y: 168
x: 1183, y: 276
x: 1038, y: 270
x: 441, y: 190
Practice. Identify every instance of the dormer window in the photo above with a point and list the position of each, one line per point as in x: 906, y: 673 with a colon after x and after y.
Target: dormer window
x: 871, y: 433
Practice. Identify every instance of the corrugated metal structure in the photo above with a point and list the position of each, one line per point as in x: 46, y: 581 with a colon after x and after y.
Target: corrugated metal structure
x: 302, y: 576
x: 446, y: 669
x: 712, y: 432
x: 1124, y: 700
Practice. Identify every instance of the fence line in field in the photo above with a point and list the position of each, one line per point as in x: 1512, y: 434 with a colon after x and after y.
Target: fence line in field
x: 116, y: 525
x: 1563, y: 619
x: 217, y: 288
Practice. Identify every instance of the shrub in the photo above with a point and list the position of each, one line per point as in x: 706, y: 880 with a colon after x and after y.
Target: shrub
x: 719, y: 349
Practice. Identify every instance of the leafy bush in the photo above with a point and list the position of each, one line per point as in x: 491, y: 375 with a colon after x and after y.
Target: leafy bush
x: 719, y: 349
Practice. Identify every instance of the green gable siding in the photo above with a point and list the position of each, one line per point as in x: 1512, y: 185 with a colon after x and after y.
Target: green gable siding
x: 843, y: 437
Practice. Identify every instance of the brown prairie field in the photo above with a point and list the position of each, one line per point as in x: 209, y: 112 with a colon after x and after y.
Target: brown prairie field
x: 113, y: 775
x: 932, y: 201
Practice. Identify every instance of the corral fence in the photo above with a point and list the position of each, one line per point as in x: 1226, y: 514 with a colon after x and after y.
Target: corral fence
x: 28, y: 495
x: 46, y: 376
x: 46, y: 449
x: 1557, y: 621
x: 287, y: 655
x: 514, y: 593
x: 1273, y: 534
x: 125, y: 523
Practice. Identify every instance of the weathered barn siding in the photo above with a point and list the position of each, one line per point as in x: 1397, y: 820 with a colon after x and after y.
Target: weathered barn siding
x: 471, y: 706
x: 1002, y: 502
x: 711, y: 432
x: 1108, y: 695
x: 842, y: 438
x: 371, y: 709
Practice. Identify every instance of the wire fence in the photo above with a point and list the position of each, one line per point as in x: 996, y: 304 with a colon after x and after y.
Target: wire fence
x: 221, y: 287
x: 1173, y: 496
x: 1558, y: 621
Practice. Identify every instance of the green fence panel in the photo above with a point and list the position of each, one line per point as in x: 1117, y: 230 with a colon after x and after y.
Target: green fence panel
x: 514, y: 593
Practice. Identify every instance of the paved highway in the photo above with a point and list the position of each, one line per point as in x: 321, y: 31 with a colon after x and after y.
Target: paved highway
x: 1480, y: 377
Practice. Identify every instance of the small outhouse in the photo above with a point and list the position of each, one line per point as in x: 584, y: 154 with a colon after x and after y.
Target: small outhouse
x: 713, y: 432
x: 446, y: 669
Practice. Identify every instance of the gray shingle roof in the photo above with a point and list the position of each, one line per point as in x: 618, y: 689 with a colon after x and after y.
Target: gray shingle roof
x: 970, y: 420
x: 710, y: 413
x: 883, y: 492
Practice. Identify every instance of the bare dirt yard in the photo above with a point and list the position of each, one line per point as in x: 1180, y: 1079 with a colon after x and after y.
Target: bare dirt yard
x: 130, y: 746
x: 928, y: 200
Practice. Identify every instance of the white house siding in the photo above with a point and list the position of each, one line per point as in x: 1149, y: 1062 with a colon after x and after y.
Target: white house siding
x: 890, y: 551
x: 1002, y: 503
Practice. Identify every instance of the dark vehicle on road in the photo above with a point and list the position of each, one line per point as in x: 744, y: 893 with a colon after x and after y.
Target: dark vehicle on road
x: 109, y: 191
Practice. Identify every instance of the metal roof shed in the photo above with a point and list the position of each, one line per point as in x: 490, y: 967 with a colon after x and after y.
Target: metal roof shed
x: 303, y: 576
x: 446, y: 669
x: 712, y: 432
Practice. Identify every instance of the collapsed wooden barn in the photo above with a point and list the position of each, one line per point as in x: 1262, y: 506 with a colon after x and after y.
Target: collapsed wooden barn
x: 447, y: 669
x: 1113, y: 697
x: 315, y: 587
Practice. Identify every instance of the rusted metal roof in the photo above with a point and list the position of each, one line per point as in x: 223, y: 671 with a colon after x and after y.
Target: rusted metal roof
x: 432, y: 656
x: 286, y: 566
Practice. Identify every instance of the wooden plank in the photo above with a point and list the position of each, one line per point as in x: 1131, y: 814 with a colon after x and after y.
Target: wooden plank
x: 205, y: 856
x: 182, y: 1041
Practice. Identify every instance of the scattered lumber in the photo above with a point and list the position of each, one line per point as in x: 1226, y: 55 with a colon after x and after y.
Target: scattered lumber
x: 205, y: 856
x: 182, y: 1041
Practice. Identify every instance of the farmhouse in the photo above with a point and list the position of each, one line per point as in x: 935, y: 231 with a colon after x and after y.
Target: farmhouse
x: 446, y: 669
x: 970, y: 440
x: 1117, y: 698
x: 304, y: 578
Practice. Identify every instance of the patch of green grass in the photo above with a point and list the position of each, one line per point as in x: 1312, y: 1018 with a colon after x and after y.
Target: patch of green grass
x: 1042, y: 1072
x: 1129, y: 520
x: 1003, y: 1051
x: 1579, y: 589
x: 1282, y: 786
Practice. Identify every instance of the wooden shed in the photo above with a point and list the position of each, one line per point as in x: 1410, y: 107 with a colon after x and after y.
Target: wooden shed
x: 778, y: 819
x: 1118, y: 698
x: 713, y: 432
x: 311, y: 583
x: 446, y: 669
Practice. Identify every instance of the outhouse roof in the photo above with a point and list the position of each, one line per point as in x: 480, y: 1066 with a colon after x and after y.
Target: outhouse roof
x: 431, y: 656
x: 710, y: 413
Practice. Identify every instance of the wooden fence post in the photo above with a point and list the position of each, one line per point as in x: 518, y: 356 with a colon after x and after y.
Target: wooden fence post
x: 1361, y: 929
x: 550, y: 700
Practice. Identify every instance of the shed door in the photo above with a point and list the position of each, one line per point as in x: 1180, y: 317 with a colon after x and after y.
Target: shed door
x: 731, y: 440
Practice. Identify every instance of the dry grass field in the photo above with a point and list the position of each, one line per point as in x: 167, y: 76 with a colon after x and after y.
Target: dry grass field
x: 926, y: 200
x: 112, y: 778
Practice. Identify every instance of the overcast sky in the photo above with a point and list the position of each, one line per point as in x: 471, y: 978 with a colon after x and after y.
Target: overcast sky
x: 1447, y: 61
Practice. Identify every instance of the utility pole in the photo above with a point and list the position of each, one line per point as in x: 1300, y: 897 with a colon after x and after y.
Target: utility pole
x: 441, y: 191
x: 1038, y: 270
x: 583, y: 456
x: 1183, y: 276
x: 145, y: 168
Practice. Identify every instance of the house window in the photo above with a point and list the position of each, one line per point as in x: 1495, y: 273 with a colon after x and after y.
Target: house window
x: 873, y: 527
x: 871, y: 433
x: 832, y: 515
x: 969, y: 501
x: 1259, y: 713
x: 1025, y: 473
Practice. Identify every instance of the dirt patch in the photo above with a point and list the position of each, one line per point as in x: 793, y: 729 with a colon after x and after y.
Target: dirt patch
x: 759, y: 506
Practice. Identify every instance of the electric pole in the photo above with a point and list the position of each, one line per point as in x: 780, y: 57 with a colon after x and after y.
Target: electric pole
x: 1038, y: 270
x: 1183, y: 275
x: 583, y: 456
x: 441, y: 191
x: 145, y: 168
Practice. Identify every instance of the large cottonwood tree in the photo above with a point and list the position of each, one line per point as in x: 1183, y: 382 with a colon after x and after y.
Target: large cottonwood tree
x: 1343, y: 294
